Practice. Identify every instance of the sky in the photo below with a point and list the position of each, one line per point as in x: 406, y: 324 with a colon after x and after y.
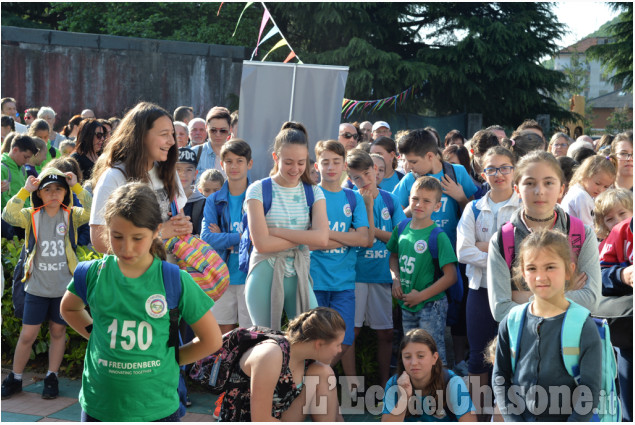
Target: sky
x: 582, y: 18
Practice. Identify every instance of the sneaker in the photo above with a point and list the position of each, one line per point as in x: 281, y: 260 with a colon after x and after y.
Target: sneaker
x: 11, y: 386
x: 51, y: 389
x: 461, y: 368
x: 219, y: 403
x: 188, y: 402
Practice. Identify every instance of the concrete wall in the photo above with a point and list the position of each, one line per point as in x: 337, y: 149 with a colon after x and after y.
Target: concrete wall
x: 110, y: 74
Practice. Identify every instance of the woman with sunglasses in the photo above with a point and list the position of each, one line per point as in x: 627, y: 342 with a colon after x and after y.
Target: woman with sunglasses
x: 218, y: 123
x: 90, y: 138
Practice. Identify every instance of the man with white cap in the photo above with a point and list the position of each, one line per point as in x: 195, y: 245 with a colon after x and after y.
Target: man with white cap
x: 381, y: 129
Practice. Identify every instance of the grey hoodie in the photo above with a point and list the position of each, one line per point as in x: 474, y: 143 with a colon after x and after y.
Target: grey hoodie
x: 499, y: 283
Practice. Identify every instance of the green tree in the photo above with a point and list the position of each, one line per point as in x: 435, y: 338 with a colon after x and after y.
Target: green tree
x: 619, y: 121
x: 617, y: 55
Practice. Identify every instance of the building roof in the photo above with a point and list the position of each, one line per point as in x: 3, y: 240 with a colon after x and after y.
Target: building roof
x: 616, y: 99
x: 581, y: 46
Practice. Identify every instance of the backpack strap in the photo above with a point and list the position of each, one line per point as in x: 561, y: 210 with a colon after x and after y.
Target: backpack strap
x: 8, y: 171
x: 173, y: 290
x: 388, y: 201
x: 52, y: 152
x: 570, y: 335
x: 267, y: 194
x: 434, y: 250
x: 402, y: 226
x: 506, y: 243
x: 515, y: 323
x: 400, y: 175
x: 576, y: 234
x: 79, y: 279
x: 350, y: 197
x: 199, y: 151
x: 475, y: 210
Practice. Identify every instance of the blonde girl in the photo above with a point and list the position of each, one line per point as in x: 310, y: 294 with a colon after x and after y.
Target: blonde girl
x: 278, y: 276
x: 473, y: 236
x: 129, y: 322
x: 591, y: 178
x: 211, y: 181
x: 538, y: 181
x: 421, y: 375
x: 611, y: 207
x: 545, y: 267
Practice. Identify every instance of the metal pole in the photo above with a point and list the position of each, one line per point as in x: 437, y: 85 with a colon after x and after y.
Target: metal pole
x: 295, y: 68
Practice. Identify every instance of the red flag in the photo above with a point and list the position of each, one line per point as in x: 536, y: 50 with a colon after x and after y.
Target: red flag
x: 291, y: 56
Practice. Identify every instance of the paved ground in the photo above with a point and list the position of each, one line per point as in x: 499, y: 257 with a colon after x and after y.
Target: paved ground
x: 29, y: 406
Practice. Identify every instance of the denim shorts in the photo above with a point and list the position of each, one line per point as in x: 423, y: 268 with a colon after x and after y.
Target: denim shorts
x: 38, y: 310
x: 344, y: 303
x: 430, y: 318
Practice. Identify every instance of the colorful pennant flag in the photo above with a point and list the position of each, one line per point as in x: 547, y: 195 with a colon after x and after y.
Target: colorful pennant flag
x: 241, y: 16
x: 265, y: 19
x: 349, y: 106
x: 279, y: 44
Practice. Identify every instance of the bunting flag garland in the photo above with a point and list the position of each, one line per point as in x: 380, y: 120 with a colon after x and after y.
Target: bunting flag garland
x: 349, y: 106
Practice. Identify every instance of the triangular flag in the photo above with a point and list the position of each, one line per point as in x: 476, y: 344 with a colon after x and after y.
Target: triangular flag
x: 241, y: 16
x: 273, y: 31
x: 279, y: 44
x: 291, y: 56
x: 221, y: 5
x: 265, y: 18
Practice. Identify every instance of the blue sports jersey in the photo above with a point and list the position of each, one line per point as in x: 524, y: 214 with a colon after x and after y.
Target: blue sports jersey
x: 389, y: 184
x: 448, y: 215
x: 372, y: 263
x: 236, y: 277
x: 334, y: 269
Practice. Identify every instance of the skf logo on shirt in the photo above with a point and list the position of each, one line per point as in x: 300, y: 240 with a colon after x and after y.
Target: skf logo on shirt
x: 61, y: 229
x: 156, y: 306
x: 385, y: 214
x: 347, y: 210
x: 421, y: 246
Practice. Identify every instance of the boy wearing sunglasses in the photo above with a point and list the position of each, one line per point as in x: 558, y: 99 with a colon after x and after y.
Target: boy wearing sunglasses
x: 218, y: 123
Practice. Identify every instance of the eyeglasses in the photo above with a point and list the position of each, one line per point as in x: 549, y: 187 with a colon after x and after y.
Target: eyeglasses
x: 491, y: 171
x: 561, y: 145
x: 218, y: 130
x: 100, y: 135
x: 624, y: 156
x: 348, y: 135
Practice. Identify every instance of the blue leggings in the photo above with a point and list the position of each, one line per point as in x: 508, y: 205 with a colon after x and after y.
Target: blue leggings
x: 481, y: 329
x: 258, y: 295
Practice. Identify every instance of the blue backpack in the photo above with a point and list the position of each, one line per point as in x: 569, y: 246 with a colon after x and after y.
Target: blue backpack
x: 246, y: 245
x: 173, y: 290
x: 609, y: 409
x: 387, y: 201
x: 454, y: 292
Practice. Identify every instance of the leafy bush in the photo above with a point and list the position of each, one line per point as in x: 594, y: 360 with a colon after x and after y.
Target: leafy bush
x: 11, y: 325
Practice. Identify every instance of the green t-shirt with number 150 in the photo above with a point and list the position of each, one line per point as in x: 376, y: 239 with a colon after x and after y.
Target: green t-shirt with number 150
x: 416, y: 269
x: 130, y: 373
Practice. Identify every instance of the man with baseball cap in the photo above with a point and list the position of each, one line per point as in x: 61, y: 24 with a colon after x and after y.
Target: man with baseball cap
x: 186, y: 169
x: 381, y: 129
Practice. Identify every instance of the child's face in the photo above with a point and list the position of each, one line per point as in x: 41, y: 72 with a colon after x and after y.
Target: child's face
x: 420, y: 165
x: 315, y: 175
x: 597, y: 184
x: 423, y: 203
x: 53, y: 194
x: 292, y: 162
x: 364, y: 179
x: 67, y: 150
x: 616, y: 215
x: 327, y: 350
x: 187, y: 173
x: 418, y: 360
x: 331, y: 166
x: 381, y: 170
x: 208, y: 187
x: 624, y: 166
x: 388, y: 156
x: 545, y: 273
x: 498, y: 181
x: 131, y: 244
x: 236, y: 166
x: 20, y: 157
x: 42, y: 134
x: 539, y: 188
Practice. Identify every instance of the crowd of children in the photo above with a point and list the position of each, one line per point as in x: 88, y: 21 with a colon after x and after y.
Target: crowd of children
x: 510, y: 233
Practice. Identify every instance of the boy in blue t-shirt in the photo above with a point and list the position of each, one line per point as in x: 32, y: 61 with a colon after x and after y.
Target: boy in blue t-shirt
x: 421, y: 151
x: 373, y: 282
x: 222, y: 228
x: 421, y: 293
x: 333, y: 269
